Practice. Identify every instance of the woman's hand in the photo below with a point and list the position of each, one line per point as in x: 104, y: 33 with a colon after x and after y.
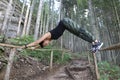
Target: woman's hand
x: 23, y: 47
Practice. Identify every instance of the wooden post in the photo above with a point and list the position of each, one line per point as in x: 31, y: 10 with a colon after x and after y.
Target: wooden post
x: 51, y: 60
x: 10, y: 61
x: 62, y: 55
x: 95, y: 66
x: 89, y: 58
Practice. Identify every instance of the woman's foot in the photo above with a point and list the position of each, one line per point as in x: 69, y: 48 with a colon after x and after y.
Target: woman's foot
x: 96, y: 45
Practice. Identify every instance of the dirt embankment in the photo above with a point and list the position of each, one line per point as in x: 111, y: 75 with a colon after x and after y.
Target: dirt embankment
x: 31, y: 69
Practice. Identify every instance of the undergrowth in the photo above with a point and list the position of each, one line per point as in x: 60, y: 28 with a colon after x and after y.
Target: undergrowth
x: 109, y: 71
x: 43, y: 56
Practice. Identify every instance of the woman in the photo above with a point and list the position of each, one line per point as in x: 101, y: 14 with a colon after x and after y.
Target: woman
x: 71, y: 26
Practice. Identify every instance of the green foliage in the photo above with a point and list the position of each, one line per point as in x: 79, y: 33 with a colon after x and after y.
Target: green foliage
x: 57, y: 57
x: 109, y: 71
x: 2, y: 49
x: 1, y: 38
x: 22, y: 40
x: 43, y: 56
x: 82, y: 3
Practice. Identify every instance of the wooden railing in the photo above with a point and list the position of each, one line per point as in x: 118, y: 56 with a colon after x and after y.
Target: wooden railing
x: 14, y: 49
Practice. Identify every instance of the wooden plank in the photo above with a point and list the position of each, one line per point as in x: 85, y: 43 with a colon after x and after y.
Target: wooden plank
x: 51, y: 49
x: 14, y: 46
x: 88, y: 56
x: 10, y: 61
x: 9, y: 45
x: 112, y: 47
x: 96, y: 67
x: 51, y: 60
x: 62, y: 55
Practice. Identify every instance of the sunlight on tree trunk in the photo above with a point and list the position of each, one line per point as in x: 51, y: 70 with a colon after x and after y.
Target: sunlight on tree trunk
x: 94, y: 27
x: 20, y: 20
x: 7, y: 13
x: 30, y: 17
x: 26, y: 19
x: 10, y: 61
x: 38, y: 20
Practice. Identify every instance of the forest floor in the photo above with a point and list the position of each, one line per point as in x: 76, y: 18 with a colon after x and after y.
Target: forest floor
x: 32, y: 69
x: 78, y: 69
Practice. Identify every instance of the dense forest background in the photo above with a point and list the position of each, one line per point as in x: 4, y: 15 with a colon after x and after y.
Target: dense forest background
x: 36, y: 17
x: 24, y: 21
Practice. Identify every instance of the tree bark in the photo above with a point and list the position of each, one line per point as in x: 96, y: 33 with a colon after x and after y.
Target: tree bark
x: 61, y: 40
x: 26, y: 19
x: 7, y: 13
x: 38, y: 20
x: 94, y: 28
x: 20, y: 20
x: 10, y: 61
x: 30, y: 17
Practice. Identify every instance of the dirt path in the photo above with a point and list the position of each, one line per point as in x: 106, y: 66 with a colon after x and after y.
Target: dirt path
x: 30, y: 69
x: 77, y: 70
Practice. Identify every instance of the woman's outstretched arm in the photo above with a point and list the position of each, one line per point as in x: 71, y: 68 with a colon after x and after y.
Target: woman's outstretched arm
x: 46, y: 36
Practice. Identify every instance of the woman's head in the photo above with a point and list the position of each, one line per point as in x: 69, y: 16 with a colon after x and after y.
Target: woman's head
x: 46, y: 42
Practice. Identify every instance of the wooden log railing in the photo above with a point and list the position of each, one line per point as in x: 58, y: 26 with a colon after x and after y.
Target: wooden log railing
x: 13, y: 50
x: 9, y: 45
x: 12, y: 54
x: 112, y: 47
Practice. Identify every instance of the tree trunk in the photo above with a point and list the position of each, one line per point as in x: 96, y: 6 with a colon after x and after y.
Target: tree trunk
x: 44, y: 22
x: 48, y: 17
x: 26, y: 19
x: 10, y: 61
x: 38, y: 20
x: 52, y: 15
x: 41, y: 25
x: 94, y: 28
x: 20, y: 20
x: 7, y: 13
x: 61, y: 40
x: 30, y: 17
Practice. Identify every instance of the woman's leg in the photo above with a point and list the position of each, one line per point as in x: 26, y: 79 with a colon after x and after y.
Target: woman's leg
x: 74, y: 28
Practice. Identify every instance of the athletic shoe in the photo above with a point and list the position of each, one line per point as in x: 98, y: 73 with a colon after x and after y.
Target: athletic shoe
x: 96, y: 46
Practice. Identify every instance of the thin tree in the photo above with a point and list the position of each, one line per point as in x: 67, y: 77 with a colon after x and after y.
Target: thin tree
x: 30, y: 16
x: 59, y: 20
x: 94, y: 28
x: 96, y: 33
x: 10, y: 62
x: 41, y: 25
x: 52, y: 15
x: 20, y: 20
x: 48, y: 17
x: 38, y: 20
x: 26, y: 19
x: 6, y: 16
